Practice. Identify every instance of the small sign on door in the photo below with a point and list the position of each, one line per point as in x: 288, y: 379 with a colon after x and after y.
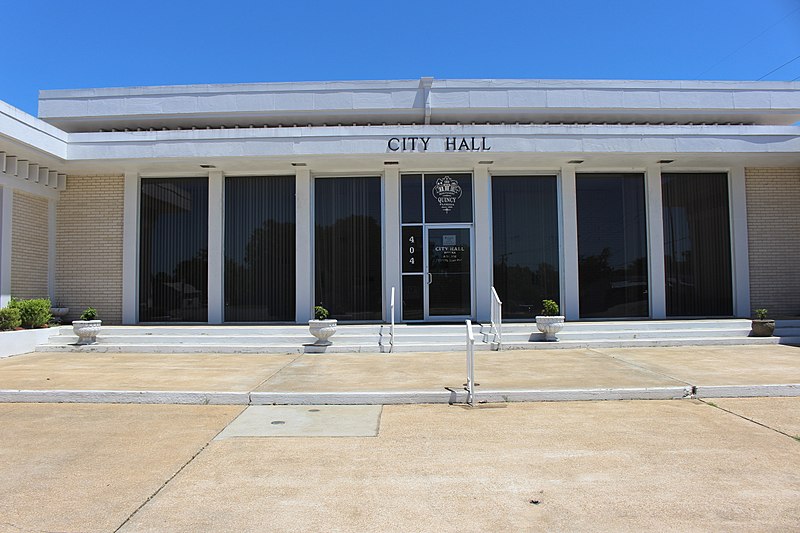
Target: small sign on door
x: 448, y: 240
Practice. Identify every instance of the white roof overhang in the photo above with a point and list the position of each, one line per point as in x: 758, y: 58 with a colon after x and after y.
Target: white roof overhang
x: 332, y: 148
x: 424, y: 101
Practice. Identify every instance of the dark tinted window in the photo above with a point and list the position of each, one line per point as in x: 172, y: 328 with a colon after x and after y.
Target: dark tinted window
x: 173, y: 250
x: 697, y: 245
x: 259, y: 249
x: 412, y: 297
x: 525, y: 242
x: 612, y: 246
x: 411, y: 190
x: 348, y: 252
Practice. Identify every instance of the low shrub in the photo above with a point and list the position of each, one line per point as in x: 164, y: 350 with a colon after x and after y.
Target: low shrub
x: 33, y: 313
x: 9, y: 319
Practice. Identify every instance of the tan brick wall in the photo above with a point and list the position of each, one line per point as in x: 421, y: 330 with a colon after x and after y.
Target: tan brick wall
x: 773, y: 227
x: 89, y: 246
x: 29, y: 246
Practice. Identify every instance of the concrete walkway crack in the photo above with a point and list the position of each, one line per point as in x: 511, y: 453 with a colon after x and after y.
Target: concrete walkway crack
x: 795, y: 438
x: 640, y: 367
x: 174, y: 475
x: 275, y: 373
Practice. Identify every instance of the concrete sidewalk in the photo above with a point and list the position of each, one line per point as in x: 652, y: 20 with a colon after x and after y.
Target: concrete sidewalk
x: 519, y: 375
x: 686, y: 465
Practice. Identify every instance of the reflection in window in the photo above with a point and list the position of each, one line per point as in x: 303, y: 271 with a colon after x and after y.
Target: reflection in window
x: 259, y: 249
x: 525, y: 242
x: 697, y: 245
x: 173, y: 253
x: 348, y: 254
x: 612, y: 246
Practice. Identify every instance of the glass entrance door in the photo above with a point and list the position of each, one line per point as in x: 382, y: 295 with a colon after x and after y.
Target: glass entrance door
x: 449, y: 273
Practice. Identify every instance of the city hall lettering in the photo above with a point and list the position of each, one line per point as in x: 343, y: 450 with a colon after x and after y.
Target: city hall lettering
x: 448, y: 144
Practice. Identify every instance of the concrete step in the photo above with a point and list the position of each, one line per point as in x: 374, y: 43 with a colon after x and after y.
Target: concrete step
x: 375, y: 338
x: 633, y: 343
x: 611, y: 335
x: 221, y: 331
x: 215, y: 339
x: 400, y: 329
x: 639, y: 325
x: 406, y: 337
x: 226, y: 348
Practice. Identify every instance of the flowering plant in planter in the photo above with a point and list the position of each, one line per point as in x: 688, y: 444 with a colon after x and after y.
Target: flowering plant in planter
x: 87, y: 327
x: 761, y: 326
x: 550, y: 322
x: 322, y: 327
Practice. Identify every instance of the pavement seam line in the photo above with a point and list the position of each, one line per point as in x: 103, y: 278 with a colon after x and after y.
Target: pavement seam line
x: 275, y: 373
x: 642, y: 368
x: 174, y: 475
x: 712, y: 404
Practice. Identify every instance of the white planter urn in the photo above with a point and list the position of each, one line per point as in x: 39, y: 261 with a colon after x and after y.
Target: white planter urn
x: 59, y: 313
x: 86, y: 330
x: 550, y: 325
x: 322, y: 330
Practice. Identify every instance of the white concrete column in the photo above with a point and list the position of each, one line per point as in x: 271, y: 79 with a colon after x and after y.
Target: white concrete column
x: 216, y: 261
x: 483, y: 243
x: 655, y: 243
x: 51, y: 250
x: 130, y: 249
x: 304, y: 240
x: 741, y: 254
x: 570, y: 295
x: 391, y: 240
x: 6, y: 218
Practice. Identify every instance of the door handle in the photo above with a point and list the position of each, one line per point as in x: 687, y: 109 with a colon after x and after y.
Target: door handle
x: 430, y: 278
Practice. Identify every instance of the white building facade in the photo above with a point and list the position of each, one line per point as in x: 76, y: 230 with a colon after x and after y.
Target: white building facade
x: 253, y: 203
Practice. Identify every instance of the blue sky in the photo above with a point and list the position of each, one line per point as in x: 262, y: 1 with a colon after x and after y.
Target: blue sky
x: 73, y: 44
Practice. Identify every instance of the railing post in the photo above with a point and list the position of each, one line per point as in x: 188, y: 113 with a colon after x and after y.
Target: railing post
x: 470, y: 364
x: 391, y: 328
x: 497, y: 318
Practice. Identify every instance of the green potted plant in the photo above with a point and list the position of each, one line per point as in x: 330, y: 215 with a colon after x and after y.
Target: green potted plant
x: 761, y: 326
x: 87, y: 327
x: 550, y: 321
x: 322, y: 326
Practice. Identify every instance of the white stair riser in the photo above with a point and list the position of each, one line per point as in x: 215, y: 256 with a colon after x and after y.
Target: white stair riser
x: 398, y: 339
x: 400, y: 329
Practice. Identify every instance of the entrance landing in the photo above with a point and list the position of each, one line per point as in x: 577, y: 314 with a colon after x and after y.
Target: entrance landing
x: 520, y: 375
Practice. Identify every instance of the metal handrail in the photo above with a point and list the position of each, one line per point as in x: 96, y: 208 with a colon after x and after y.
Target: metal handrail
x: 470, y: 364
x: 391, y: 328
x: 497, y: 318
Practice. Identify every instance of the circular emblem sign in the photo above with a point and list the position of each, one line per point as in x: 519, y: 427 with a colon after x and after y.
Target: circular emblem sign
x: 447, y: 192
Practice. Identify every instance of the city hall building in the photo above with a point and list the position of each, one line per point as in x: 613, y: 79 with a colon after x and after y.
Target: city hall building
x: 252, y: 203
